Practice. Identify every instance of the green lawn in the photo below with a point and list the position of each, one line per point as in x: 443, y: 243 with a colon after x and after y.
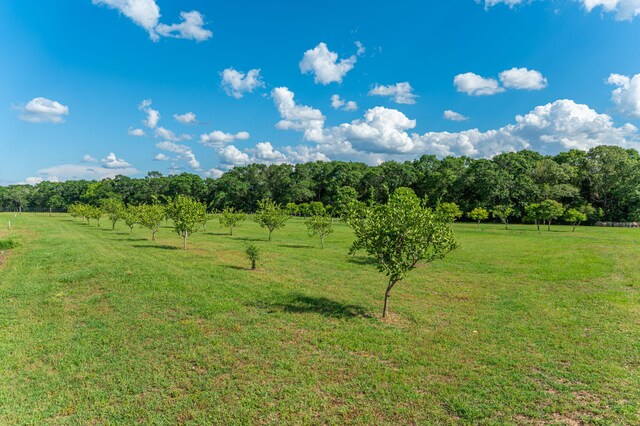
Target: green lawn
x: 514, y: 327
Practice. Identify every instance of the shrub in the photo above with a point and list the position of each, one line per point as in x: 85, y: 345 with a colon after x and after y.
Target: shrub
x: 253, y: 254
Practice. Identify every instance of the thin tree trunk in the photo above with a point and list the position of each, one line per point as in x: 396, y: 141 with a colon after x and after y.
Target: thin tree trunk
x: 270, y: 235
x: 153, y: 235
x: 478, y: 224
x: 322, y: 240
x: 231, y: 230
x: 549, y: 225
x: 385, y: 309
x: 253, y: 264
x: 184, y: 242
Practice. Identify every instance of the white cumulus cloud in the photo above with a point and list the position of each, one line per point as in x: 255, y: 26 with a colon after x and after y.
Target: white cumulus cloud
x: 401, y: 93
x: 43, y: 110
x: 523, y: 79
x: 454, y: 116
x: 136, y: 132
x: 218, y: 138
x: 338, y: 103
x: 186, y: 118
x: 627, y: 95
x: 113, y: 162
x: 302, y: 118
x: 153, y: 116
x: 190, y: 28
x: 184, y: 153
x: 236, y: 83
x: 475, y: 85
x: 325, y: 65
x: 146, y: 13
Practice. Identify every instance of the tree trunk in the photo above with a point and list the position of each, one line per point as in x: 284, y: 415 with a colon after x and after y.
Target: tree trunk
x: 538, y: 224
x: 231, y: 231
x: 253, y: 264
x: 478, y: 224
x: 270, y: 235
x: 322, y: 240
x: 385, y: 309
x: 113, y: 226
x: 549, y: 225
x: 506, y: 225
x: 153, y: 235
x: 184, y: 241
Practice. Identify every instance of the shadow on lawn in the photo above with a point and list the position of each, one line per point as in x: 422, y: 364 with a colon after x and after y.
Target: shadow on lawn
x: 300, y: 304
x: 297, y: 246
x: 156, y: 246
x: 362, y: 260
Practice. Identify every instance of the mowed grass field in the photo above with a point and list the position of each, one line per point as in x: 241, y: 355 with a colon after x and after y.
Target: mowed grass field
x: 514, y: 327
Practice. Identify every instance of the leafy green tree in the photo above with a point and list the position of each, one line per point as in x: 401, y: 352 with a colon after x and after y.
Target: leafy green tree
x: 534, y: 213
x: 574, y: 217
x: 187, y: 215
x: 292, y: 209
x: 319, y: 225
x: 113, y: 207
x: 449, y: 211
x: 503, y: 213
x: 345, y: 196
x: 131, y: 216
x: 253, y: 254
x: 399, y: 234
x: 478, y: 214
x: 92, y: 212
x: 550, y: 210
x: 231, y: 218
x: 151, y: 216
x: 270, y: 215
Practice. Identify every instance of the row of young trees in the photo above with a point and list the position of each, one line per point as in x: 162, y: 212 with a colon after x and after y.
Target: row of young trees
x: 189, y: 215
x: 398, y: 234
x: 605, y: 177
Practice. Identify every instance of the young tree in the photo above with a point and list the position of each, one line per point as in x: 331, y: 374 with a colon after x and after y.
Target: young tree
x: 400, y: 234
x: 231, y: 218
x: 533, y: 213
x: 319, y: 225
x: 575, y: 218
x: 187, y: 214
x: 131, y: 216
x: 550, y: 210
x: 253, y: 254
x: 503, y: 213
x: 113, y: 208
x: 150, y: 216
x: 478, y: 214
x: 292, y: 209
x: 92, y: 212
x: 449, y: 211
x: 270, y: 215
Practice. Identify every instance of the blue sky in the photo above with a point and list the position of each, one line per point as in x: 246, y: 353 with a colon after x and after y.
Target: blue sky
x: 79, y: 77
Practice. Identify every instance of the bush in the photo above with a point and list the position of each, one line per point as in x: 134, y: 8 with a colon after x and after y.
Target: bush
x: 253, y: 254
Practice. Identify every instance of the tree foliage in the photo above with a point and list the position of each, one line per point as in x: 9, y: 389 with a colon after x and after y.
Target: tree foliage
x: 478, y: 214
x: 503, y: 213
x: 230, y: 218
x: 151, y: 216
x: 320, y: 225
x: 399, y: 235
x: 187, y: 215
x: 270, y: 215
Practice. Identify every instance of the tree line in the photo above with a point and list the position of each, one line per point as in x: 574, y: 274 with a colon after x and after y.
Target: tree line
x: 601, y: 183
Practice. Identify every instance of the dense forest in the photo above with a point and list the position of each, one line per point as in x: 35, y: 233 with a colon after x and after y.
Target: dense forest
x: 605, y: 177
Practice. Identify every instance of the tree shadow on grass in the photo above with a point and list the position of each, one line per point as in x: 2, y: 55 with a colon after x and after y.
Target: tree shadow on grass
x: 362, y: 260
x: 156, y: 246
x: 248, y: 239
x: 133, y: 239
x: 297, y: 246
x: 300, y: 304
x: 219, y: 234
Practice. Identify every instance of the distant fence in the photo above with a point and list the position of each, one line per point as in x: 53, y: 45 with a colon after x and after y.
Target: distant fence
x: 33, y: 210
x: 618, y: 224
